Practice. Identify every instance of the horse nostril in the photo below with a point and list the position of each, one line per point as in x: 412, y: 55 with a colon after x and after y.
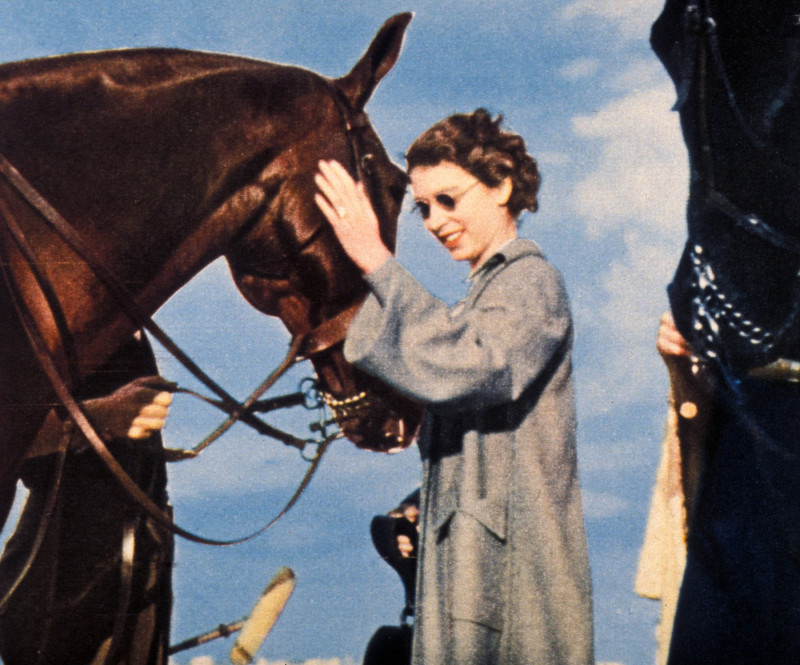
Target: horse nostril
x: 396, y: 431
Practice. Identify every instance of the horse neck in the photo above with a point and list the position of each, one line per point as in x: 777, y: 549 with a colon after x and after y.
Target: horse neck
x: 100, y: 162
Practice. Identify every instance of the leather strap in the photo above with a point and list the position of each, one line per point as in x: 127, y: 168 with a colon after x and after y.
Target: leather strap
x: 119, y: 292
x: 330, y: 332
x: 49, y: 366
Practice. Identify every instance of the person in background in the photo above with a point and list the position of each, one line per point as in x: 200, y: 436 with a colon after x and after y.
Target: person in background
x: 684, y: 452
x: 72, y: 600
x: 503, y: 570
x: 725, y: 588
x: 396, y: 537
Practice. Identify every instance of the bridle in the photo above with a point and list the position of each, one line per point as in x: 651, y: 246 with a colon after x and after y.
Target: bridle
x: 711, y: 306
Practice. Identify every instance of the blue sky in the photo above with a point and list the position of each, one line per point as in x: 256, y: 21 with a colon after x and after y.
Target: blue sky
x: 577, y: 79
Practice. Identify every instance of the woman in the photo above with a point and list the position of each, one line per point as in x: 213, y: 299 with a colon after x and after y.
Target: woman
x: 503, y: 568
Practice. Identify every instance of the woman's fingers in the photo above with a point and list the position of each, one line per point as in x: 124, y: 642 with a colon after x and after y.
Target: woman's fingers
x: 349, y: 211
x: 331, y: 214
x: 339, y: 189
x: 328, y: 189
x: 339, y: 178
x: 331, y: 184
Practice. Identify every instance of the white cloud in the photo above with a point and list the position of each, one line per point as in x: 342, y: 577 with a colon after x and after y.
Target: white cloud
x: 580, y: 68
x: 639, y: 74
x: 631, y: 17
x: 601, y: 456
x: 627, y: 367
x: 635, y: 191
x: 641, y: 175
x: 635, y: 285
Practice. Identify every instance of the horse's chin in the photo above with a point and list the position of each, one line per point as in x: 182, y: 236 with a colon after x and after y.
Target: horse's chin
x: 375, y: 424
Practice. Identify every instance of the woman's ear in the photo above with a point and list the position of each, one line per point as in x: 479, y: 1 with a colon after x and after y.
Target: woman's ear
x: 504, y: 190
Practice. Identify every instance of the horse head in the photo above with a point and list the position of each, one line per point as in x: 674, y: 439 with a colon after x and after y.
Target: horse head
x: 163, y: 160
x: 289, y: 263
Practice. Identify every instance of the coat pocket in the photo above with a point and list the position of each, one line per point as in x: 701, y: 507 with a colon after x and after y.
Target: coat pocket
x: 476, y: 579
x: 489, y: 512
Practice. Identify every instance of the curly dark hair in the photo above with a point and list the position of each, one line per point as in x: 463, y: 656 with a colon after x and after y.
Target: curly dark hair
x: 475, y: 142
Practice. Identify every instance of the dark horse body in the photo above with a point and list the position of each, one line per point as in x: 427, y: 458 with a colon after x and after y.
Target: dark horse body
x: 739, y: 103
x: 736, y: 298
x: 164, y: 160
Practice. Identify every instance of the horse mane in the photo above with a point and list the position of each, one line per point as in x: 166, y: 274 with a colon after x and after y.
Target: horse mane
x: 148, y: 67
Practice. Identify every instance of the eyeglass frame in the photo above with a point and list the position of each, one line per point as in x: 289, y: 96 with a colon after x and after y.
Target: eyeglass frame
x: 448, y: 202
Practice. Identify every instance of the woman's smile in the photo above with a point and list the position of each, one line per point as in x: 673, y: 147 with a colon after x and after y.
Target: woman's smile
x: 450, y: 239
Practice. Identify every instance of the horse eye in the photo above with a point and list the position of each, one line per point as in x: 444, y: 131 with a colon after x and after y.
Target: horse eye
x: 446, y: 201
x: 366, y: 163
x: 397, y: 192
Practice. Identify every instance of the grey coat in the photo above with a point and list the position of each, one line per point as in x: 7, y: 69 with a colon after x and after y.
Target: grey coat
x: 503, y: 546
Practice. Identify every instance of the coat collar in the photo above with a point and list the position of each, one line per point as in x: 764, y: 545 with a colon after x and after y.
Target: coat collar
x: 510, y: 251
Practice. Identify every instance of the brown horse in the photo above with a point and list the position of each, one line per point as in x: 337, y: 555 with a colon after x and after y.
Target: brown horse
x: 163, y: 160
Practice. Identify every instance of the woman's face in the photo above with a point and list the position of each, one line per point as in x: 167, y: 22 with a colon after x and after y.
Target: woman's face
x: 469, y: 218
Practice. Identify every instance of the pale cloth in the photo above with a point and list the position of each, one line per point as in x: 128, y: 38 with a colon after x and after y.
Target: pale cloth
x: 663, y: 555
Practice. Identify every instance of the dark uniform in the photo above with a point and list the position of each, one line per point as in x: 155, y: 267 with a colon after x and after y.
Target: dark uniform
x: 67, y: 605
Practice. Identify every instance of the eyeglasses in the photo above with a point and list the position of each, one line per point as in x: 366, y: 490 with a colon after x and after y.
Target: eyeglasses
x: 447, y: 202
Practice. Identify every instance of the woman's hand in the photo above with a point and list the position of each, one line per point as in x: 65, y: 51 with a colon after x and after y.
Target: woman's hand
x: 405, y: 546
x: 349, y: 211
x: 669, y: 341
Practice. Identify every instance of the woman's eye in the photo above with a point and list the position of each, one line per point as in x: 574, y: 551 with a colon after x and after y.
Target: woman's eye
x: 423, y: 209
x: 446, y: 201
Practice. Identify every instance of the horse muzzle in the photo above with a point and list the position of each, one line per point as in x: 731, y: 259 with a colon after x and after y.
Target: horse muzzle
x: 375, y: 422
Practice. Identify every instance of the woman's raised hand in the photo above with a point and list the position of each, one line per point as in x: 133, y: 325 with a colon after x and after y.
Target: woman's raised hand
x: 346, y: 205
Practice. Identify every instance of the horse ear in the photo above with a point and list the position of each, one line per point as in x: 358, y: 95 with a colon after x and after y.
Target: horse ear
x: 378, y: 60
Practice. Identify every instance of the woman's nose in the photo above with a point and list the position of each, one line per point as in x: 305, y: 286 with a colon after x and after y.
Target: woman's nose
x: 436, y: 218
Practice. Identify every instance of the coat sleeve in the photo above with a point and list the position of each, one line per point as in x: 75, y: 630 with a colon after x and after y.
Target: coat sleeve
x: 469, y: 358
